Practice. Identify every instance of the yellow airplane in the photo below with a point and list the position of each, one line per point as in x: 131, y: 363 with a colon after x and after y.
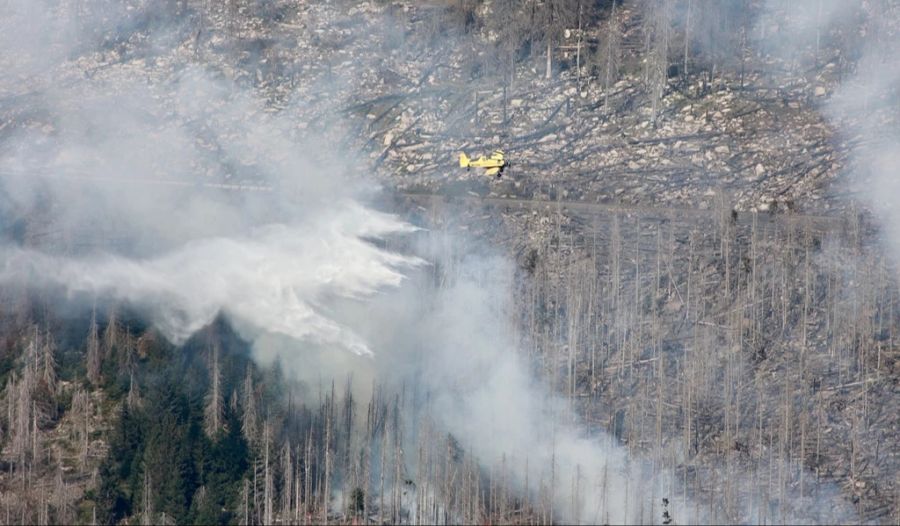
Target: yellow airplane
x: 492, y: 165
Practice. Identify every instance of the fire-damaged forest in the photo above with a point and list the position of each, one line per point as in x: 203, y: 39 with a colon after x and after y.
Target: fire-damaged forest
x: 245, y: 280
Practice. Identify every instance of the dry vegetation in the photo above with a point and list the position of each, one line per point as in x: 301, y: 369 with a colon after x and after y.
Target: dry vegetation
x: 701, y: 317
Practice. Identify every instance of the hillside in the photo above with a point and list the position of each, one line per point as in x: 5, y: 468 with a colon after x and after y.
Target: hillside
x: 245, y: 280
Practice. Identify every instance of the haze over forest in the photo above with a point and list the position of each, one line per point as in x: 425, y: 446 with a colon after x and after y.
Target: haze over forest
x: 245, y: 278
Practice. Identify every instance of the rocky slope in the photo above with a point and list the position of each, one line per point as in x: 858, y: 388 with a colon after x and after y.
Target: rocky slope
x: 734, y: 284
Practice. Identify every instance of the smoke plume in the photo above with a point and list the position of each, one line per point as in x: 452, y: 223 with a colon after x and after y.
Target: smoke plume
x: 135, y: 170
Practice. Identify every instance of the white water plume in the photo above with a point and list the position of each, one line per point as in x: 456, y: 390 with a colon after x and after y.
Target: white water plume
x: 114, y: 177
x: 279, y: 280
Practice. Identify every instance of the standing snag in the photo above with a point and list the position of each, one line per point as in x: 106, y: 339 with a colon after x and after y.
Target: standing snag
x: 93, y: 358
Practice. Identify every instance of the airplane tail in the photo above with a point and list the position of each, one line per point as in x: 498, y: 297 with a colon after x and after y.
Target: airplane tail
x: 464, y: 160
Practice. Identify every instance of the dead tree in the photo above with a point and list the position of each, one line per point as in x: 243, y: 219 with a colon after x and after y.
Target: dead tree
x: 213, y: 411
x: 93, y: 357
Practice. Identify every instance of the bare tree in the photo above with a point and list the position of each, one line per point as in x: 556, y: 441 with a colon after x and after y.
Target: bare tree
x: 687, y: 41
x: 48, y: 362
x: 213, y: 411
x: 657, y: 30
x: 249, y: 417
x: 268, y: 479
x: 287, y: 480
x: 611, y: 51
x: 93, y: 357
x: 553, y: 17
x: 134, y: 395
x: 110, y: 334
x: 511, y: 34
x: 147, y: 517
x: 81, y: 414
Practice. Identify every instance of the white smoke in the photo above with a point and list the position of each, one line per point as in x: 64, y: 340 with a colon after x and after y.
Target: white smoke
x: 484, y: 390
x: 129, y: 167
x: 863, y: 111
x: 459, y: 346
